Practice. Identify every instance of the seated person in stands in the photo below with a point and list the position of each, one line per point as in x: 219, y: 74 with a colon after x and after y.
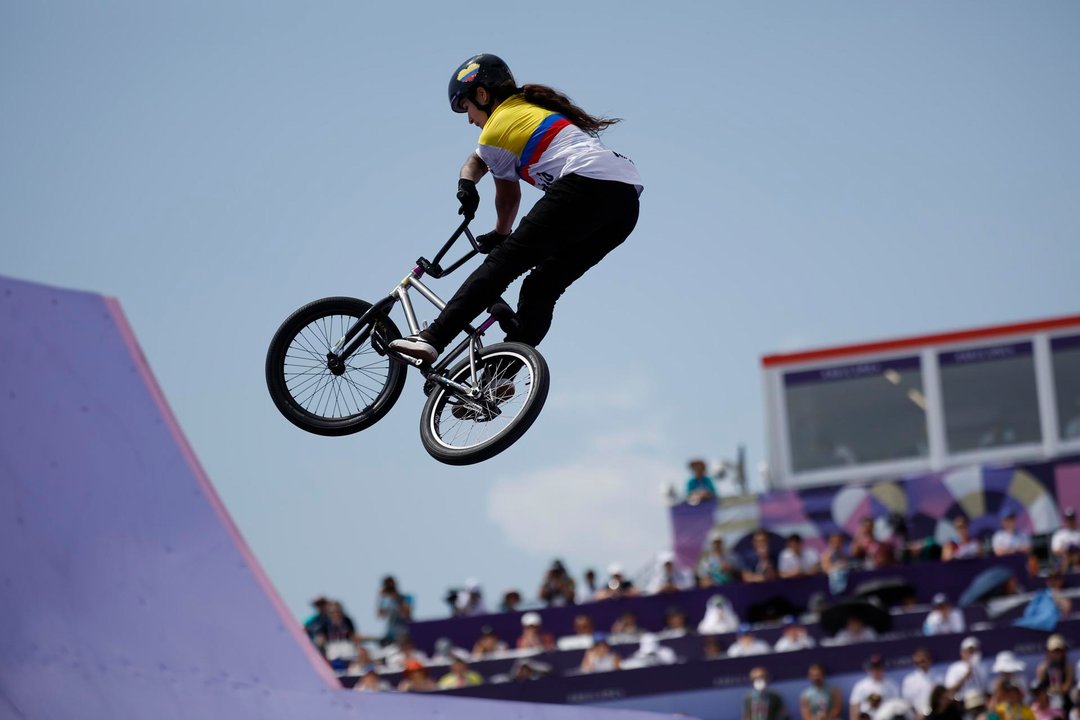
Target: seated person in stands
x: 533, y: 636
x: 967, y: 673
x: 584, y: 632
x: 510, y: 602
x: 1056, y: 672
x: 699, y: 487
x: 460, y: 675
x: 361, y: 662
x: 651, y: 652
x: 1055, y: 583
x: 670, y: 577
x: 794, y: 637
x: 445, y: 651
x: 868, y: 549
x: 763, y: 567
x: 586, y: 590
x: 557, y: 587
x: 855, y: 631
x: 626, y: 625
x: 398, y: 655
x: 617, y: 585
x: 718, y: 566
x: 600, y: 657
x: 1066, y: 535
x: 674, y: 623
x: 918, y: 684
x: 795, y: 559
x: 963, y: 545
x: 873, y: 688
x: 944, y: 618
x: 761, y: 703
x: 1008, y: 540
x: 470, y: 600
x: 525, y: 669
x: 1011, y: 706
x: 719, y: 616
x: 820, y: 701
x: 416, y: 678
x: 1042, y: 707
x: 370, y: 681
x: 1008, y: 668
x: 746, y: 643
x: 710, y: 648
x: 835, y: 557
x: 487, y: 644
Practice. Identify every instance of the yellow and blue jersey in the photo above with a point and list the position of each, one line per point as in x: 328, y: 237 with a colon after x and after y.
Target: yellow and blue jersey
x: 523, y: 140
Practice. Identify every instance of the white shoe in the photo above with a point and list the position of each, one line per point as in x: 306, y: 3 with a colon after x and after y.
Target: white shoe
x: 415, y: 347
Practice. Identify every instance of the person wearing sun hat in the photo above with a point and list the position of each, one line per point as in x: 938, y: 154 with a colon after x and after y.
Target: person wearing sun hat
x: 1008, y: 668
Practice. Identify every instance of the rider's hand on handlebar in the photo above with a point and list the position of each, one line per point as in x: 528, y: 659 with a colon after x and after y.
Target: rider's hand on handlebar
x: 468, y: 197
x: 486, y: 243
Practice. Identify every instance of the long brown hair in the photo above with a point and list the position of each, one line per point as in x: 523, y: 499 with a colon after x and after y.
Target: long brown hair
x: 551, y: 99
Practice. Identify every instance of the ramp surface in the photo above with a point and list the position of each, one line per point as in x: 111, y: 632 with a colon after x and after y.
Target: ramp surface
x: 126, y: 590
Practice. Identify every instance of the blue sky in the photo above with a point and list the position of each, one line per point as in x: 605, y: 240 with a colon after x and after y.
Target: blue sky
x: 815, y: 174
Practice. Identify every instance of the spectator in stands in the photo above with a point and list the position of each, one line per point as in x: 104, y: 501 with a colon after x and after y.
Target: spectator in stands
x: 399, y: 655
x: 793, y: 637
x: 835, y: 558
x: 338, y: 634
x: 963, y: 545
x: 488, y: 644
x: 618, y: 585
x: 600, y: 657
x: 1008, y: 540
x: 1065, y: 536
x: 1007, y: 668
x: 796, y: 560
x: 1012, y: 706
x: 746, y: 643
x: 763, y: 567
x: 533, y: 636
x: 395, y: 608
x: 711, y: 649
x: 868, y: 550
x: 557, y: 587
x: 700, y: 486
x: 460, y: 675
x: 470, y: 600
x: 526, y: 669
x: 511, y: 601
x: 370, y: 681
x: 719, y: 616
x: 1042, y: 707
x: 855, y: 631
x: 762, y: 703
x: 873, y: 684
x: 975, y: 707
x: 1056, y: 673
x: 918, y: 684
x: 669, y: 577
x: 1071, y: 563
x: 650, y: 652
x: 819, y: 701
x: 943, y: 706
x: 718, y: 566
x: 416, y: 678
x: 968, y: 672
x: 1055, y: 584
x: 584, y: 632
x: 626, y: 625
x: 315, y: 625
x: 674, y: 623
x: 445, y: 651
x: 944, y: 618
x: 586, y: 591
x: 361, y: 662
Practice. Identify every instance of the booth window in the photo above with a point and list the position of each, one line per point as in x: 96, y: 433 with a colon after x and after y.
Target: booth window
x: 990, y: 397
x: 1065, y: 352
x: 856, y: 414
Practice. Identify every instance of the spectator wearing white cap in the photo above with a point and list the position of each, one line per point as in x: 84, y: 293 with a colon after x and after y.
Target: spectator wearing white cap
x: 920, y: 682
x: 470, y: 600
x: 968, y: 672
x: 746, y: 643
x: 796, y: 559
x: 533, y: 636
x: 600, y: 657
x: 1056, y: 673
x: 618, y: 585
x: 669, y: 577
x: 720, y: 616
x: 650, y: 652
x: 1008, y: 540
x: 944, y: 618
x: 1065, y: 536
x: 793, y: 637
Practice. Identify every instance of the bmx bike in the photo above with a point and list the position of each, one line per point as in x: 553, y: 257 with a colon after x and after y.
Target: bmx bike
x: 330, y: 370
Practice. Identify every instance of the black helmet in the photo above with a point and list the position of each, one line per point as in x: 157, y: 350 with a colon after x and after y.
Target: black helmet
x: 486, y: 70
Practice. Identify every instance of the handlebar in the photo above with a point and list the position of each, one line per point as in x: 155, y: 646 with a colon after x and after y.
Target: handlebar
x: 432, y: 267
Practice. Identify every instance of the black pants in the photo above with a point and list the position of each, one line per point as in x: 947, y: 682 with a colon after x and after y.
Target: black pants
x: 577, y: 222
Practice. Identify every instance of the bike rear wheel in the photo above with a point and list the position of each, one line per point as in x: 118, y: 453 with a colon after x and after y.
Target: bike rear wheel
x: 327, y: 400
x: 512, y: 382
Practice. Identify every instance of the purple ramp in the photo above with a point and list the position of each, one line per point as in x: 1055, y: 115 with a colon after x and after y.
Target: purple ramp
x: 125, y: 589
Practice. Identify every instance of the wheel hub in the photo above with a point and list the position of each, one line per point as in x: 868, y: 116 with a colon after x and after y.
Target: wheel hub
x: 335, y: 364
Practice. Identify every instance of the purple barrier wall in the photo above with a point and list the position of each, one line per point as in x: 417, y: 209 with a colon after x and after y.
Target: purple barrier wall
x: 127, y: 591
x: 926, y: 578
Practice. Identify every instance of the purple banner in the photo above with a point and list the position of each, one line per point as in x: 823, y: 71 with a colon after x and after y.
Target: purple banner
x: 985, y: 354
x: 853, y: 371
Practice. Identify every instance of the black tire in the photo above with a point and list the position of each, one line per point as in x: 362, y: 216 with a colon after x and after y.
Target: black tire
x: 302, y: 385
x: 456, y: 432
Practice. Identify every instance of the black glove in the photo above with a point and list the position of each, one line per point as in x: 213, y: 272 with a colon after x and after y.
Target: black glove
x: 468, y: 197
x: 486, y: 243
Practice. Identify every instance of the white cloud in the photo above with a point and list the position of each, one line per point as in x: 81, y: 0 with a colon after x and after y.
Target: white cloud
x: 600, y: 507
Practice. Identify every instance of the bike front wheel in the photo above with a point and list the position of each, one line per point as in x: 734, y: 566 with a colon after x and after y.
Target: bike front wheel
x: 322, y: 397
x: 509, y: 387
